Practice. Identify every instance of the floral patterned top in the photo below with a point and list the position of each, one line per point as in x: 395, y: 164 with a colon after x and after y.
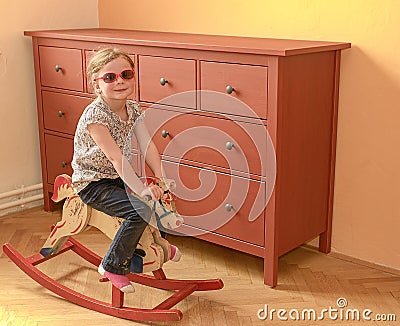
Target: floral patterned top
x: 89, y: 162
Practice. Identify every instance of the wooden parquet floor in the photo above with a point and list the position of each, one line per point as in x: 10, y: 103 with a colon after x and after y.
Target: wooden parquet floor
x: 308, y: 280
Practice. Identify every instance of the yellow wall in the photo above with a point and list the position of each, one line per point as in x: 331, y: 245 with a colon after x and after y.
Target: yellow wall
x: 19, y: 141
x: 367, y: 194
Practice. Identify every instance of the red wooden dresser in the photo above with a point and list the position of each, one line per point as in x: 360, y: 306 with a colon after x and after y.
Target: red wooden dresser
x: 213, y: 103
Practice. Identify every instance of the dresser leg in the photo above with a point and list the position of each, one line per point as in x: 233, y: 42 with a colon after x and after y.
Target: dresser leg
x: 48, y: 203
x: 270, y: 270
x: 325, y: 242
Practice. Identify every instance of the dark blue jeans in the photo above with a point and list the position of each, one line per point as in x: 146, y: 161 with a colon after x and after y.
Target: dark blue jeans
x: 110, y: 197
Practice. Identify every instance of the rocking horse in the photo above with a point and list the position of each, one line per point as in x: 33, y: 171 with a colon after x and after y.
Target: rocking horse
x: 151, y: 253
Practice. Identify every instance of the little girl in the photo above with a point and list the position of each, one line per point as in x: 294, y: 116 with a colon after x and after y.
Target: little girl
x: 101, y: 162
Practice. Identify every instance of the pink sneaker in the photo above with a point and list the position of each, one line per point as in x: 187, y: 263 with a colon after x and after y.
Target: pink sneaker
x: 175, y: 254
x: 120, y: 281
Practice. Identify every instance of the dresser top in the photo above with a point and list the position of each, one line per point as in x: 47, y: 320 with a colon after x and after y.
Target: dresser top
x: 254, y: 45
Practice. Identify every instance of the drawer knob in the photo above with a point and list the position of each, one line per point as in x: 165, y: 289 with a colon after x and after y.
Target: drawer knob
x: 228, y: 207
x: 60, y: 114
x: 57, y: 68
x: 229, y: 145
x: 164, y: 133
x: 229, y: 89
x: 63, y: 164
x: 163, y: 81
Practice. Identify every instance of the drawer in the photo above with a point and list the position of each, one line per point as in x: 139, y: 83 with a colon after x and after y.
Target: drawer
x: 220, y: 203
x: 237, y: 146
x: 242, y: 82
x: 61, y: 112
x: 61, y: 68
x: 161, y: 78
x: 59, y: 153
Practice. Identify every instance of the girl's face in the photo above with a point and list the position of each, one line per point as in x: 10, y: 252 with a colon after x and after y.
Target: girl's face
x: 120, y: 89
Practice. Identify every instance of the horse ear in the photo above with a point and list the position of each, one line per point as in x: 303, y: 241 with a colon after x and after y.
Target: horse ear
x: 170, y: 183
x: 148, y: 180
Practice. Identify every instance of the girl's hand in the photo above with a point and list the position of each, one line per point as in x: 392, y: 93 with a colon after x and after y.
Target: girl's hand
x: 154, y: 191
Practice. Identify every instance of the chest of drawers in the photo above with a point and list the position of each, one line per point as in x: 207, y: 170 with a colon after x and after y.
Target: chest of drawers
x: 246, y: 126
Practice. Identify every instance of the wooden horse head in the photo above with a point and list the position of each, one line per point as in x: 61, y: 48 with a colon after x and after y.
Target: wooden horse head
x: 165, y: 207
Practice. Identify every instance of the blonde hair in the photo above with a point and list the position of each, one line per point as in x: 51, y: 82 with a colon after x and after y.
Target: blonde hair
x: 104, y: 56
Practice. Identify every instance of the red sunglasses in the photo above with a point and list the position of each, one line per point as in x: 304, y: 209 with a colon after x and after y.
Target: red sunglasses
x: 111, y: 77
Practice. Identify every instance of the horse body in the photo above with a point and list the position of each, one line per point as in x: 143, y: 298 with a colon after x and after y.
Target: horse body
x: 152, y: 251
